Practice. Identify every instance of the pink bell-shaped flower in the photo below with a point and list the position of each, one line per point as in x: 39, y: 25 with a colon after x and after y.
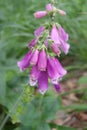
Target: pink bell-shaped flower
x: 42, y: 60
x: 34, y: 75
x: 34, y: 57
x: 25, y: 62
x: 52, y: 71
x: 59, y: 67
x: 55, y: 36
x: 43, y: 82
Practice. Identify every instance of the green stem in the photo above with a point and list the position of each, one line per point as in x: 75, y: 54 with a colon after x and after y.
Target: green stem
x: 53, y: 1
x: 8, y: 115
x: 4, y: 122
x: 52, y: 16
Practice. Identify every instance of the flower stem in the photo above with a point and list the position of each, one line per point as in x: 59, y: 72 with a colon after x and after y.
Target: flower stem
x: 53, y: 1
x: 12, y: 109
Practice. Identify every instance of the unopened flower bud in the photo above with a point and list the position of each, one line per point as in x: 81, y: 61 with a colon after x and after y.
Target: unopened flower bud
x: 49, y: 7
x: 39, y: 31
x: 61, y: 12
x: 40, y: 14
x: 33, y: 42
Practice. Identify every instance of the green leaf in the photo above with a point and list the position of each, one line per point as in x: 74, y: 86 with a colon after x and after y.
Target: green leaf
x: 40, y: 126
x: 2, y: 86
x: 30, y: 115
x: 10, y: 75
x: 43, y: 126
x: 60, y: 127
x: 50, y: 106
x: 79, y: 107
x: 40, y: 109
x: 83, y: 80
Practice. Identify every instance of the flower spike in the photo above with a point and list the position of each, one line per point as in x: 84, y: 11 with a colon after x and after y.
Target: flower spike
x: 50, y: 39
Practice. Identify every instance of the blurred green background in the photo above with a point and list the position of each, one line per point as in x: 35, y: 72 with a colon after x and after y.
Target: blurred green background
x: 17, y: 25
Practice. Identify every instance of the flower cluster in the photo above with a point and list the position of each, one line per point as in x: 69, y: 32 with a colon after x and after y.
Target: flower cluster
x: 49, y: 9
x: 49, y: 41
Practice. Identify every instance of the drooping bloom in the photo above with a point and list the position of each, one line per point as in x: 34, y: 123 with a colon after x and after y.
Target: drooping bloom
x: 60, y: 37
x: 59, y: 67
x: 64, y: 38
x: 55, y: 36
x: 34, y: 57
x: 64, y: 46
x: 63, y: 34
x: 34, y: 75
x: 51, y: 70
x: 43, y: 82
x: 40, y: 14
x: 25, y: 62
x: 42, y: 60
x: 55, y: 70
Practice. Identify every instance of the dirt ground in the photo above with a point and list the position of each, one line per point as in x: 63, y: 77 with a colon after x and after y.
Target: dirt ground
x: 71, y: 117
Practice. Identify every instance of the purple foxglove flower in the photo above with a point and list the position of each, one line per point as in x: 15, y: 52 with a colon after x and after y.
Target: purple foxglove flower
x: 52, y: 70
x: 61, y: 12
x: 64, y: 46
x: 34, y: 57
x: 59, y: 68
x: 55, y: 48
x: 63, y: 39
x: 42, y: 61
x: 55, y: 36
x: 34, y: 75
x: 25, y: 62
x: 63, y: 34
x: 57, y: 87
x: 43, y: 82
x: 40, y: 14
x: 33, y: 42
x: 49, y: 7
x: 39, y: 31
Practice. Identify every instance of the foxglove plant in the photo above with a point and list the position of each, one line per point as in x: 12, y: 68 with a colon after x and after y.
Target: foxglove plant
x: 50, y: 39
